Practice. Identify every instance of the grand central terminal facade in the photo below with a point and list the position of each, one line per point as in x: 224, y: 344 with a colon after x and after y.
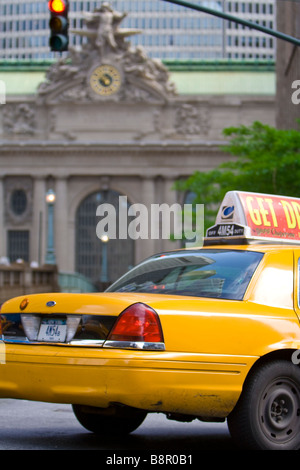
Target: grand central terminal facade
x: 107, y: 121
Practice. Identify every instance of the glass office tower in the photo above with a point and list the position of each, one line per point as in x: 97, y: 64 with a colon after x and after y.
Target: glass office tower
x: 168, y: 31
x: 244, y: 43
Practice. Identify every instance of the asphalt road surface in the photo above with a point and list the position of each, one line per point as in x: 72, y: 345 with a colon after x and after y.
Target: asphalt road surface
x: 29, y: 425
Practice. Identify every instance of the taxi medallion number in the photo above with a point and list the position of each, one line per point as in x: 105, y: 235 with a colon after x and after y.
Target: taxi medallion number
x: 53, y: 330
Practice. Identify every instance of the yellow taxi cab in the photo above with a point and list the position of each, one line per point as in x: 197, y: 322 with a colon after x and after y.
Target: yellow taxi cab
x: 207, y: 333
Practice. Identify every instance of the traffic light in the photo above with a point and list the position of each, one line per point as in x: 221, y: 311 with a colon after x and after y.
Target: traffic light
x: 59, y: 25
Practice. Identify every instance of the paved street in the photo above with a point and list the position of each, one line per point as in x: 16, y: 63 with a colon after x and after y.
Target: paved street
x: 42, y: 426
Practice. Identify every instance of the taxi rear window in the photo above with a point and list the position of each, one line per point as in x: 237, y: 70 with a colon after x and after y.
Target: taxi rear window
x: 223, y: 274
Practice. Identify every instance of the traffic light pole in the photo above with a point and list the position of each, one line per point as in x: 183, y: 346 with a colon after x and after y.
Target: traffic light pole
x: 225, y: 16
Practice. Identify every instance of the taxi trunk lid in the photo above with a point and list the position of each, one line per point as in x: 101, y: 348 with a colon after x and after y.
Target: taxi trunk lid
x: 73, y: 319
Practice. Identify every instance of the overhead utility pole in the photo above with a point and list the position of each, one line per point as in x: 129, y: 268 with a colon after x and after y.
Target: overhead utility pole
x: 248, y: 24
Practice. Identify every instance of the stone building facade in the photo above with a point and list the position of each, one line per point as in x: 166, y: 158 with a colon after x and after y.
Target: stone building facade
x: 288, y: 68
x: 107, y: 121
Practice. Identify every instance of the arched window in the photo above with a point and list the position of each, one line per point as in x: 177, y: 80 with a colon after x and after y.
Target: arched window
x: 18, y: 201
x: 102, y: 262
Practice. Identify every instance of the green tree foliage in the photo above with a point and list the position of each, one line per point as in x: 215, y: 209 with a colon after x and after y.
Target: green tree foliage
x: 266, y: 160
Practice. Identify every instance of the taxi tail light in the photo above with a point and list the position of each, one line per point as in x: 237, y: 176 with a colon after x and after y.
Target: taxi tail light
x: 139, y: 322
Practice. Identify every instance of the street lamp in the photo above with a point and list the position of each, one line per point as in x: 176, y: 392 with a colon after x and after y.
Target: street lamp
x: 50, y: 253
x: 235, y: 19
x: 104, y: 276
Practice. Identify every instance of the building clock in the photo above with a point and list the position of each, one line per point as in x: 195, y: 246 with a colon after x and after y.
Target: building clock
x: 105, y: 80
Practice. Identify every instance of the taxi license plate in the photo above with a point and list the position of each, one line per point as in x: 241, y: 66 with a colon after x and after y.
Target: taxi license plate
x: 53, y: 330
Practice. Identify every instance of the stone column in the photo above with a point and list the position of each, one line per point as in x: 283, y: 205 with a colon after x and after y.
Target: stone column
x: 170, y: 198
x: 38, y: 232
x: 61, y: 221
x: 145, y: 248
x: 3, y: 235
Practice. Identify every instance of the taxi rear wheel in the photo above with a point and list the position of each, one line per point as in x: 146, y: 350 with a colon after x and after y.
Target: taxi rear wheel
x: 267, y: 415
x: 109, y: 421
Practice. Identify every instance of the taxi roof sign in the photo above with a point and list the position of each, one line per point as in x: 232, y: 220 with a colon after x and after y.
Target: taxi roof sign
x: 256, y: 218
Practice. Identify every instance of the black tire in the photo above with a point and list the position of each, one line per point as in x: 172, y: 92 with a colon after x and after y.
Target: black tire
x: 267, y: 415
x: 112, y: 421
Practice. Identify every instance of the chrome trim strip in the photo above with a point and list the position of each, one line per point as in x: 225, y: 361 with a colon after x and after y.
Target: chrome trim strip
x: 17, y: 339
x: 143, y: 346
x: 87, y: 342
x: 135, y: 345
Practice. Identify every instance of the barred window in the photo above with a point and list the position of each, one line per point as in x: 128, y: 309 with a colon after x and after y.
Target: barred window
x: 18, y: 245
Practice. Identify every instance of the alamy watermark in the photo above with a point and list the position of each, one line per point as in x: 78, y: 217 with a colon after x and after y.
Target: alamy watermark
x: 2, y: 92
x: 296, y: 357
x: 296, y: 94
x: 2, y: 353
x: 160, y: 221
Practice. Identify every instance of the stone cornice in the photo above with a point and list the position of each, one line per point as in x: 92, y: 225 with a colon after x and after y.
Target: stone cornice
x: 167, y: 159
x: 66, y: 147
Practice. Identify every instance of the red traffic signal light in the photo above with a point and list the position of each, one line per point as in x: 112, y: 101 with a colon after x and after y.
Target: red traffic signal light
x: 59, y: 25
x: 57, y: 6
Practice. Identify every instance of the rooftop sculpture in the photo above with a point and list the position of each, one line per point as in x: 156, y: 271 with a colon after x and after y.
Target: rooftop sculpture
x: 106, y: 66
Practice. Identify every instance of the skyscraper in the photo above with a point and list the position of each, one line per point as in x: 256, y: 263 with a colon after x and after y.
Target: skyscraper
x: 167, y: 30
x: 245, y: 43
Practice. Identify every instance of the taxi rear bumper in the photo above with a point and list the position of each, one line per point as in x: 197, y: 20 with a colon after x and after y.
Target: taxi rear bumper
x: 161, y: 381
